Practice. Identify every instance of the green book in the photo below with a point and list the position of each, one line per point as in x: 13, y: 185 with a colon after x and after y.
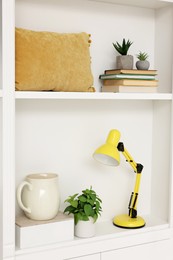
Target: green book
x: 126, y: 76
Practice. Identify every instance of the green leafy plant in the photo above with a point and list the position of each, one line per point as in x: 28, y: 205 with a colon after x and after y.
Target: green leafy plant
x: 124, y: 47
x: 142, y: 56
x: 85, y: 205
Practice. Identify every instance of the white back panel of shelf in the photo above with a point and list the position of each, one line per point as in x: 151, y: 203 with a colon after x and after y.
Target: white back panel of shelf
x: 106, y: 23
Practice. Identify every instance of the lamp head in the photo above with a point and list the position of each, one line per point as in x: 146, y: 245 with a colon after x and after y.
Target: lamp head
x: 108, y: 153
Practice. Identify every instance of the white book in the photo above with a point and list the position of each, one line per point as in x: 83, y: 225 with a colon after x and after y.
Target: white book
x: 128, y: 89
x: 31, y: 233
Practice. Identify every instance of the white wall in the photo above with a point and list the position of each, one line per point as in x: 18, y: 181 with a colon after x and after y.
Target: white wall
x: 106, y: 23
x: 60, y: 136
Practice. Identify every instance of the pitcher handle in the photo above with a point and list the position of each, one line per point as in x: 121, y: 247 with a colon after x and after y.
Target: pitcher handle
x: 19, y: 197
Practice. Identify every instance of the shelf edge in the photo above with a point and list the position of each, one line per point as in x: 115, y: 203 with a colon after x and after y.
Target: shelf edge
x: 91, y: 96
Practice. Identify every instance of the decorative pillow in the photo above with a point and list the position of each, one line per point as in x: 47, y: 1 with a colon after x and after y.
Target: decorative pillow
x: 53, y: 61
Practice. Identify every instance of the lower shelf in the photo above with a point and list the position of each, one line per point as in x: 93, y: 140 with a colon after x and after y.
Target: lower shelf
x: 108, y: 237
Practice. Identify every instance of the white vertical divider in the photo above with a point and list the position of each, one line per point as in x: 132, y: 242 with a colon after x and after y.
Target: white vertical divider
x: 8, y: 132
x: 170, y: 216
x: 171, y: 166
x: 171, y: 142
x: 165, y: 16
x: 1, y: 206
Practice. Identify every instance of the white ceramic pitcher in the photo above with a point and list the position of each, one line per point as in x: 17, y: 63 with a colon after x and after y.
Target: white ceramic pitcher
x: 38, y: 196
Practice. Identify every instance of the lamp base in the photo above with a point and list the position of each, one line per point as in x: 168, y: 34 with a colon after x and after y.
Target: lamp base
x: 125, y: 221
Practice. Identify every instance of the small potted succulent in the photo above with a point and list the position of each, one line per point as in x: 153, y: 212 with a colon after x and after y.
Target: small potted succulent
x: 124, y: 61
x: 142, y: 63
x: 86, y: 207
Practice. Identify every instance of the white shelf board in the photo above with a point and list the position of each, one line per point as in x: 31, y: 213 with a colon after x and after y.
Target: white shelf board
x: 154, y: 4
x: 1, y: 93
x: 106, y: 230
x: 91, y: 96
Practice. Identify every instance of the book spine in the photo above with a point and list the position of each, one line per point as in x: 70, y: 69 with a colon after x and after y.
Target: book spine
x: 129, y: 82
x: 135, y: 71
x: 126, y: 76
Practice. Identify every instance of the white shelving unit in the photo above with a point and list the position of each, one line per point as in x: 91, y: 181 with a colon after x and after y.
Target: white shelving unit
x: 58, y: 132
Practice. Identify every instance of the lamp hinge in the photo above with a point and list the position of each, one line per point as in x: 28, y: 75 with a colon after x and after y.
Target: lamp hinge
x: 139, y: 167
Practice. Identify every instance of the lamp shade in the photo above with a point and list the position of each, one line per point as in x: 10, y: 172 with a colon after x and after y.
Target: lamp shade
x: 108, y: 153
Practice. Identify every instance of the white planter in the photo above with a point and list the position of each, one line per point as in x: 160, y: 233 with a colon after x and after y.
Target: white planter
x: 85, y: 229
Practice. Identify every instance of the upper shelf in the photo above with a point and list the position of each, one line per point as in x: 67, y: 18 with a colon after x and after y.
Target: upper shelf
x: 91, y: 96
x: 141, y: 3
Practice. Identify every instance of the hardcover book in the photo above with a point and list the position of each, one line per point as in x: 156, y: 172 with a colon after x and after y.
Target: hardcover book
x: 130, y: 82
x: 126, y: 76
x: 127, y: 89
x: 135, y: 71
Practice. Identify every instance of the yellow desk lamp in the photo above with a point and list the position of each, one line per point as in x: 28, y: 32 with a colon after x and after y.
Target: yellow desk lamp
x: 109, y: 154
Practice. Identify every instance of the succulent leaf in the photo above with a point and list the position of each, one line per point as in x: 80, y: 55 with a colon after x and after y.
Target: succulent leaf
x: 142, y: 56
x: 124, y: 47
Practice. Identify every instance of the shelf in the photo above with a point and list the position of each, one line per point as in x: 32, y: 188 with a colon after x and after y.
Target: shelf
x: 1, y: 93
x: 92, y: 96
x: 107, y: 231
x: 140, y: 3
x: 152, y: 223
x: 48, y: 119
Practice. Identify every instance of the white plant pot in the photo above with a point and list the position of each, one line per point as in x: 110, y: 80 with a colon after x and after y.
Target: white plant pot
x: 85, y: 229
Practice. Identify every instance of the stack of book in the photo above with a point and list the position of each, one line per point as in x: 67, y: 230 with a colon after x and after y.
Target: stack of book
x: 125, y: 81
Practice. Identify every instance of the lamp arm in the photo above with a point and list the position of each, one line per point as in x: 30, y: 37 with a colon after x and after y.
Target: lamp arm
x: 138, y: 169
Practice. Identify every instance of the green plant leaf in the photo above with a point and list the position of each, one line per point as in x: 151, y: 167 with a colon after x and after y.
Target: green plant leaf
x: 87, y: 191
x: 88, y: 210
x: 97, y: 205
x: 82, y: 198
x: 99, y: 199
x: 77, y: 217
x: 95, y: 217
x: 74, y: 203
x: 90, y: 201
x: 84, y: 206
x: 69, y: 209
x: 85, y: 218
x: 71, y: 198
x: 81, y: 205
x: 93, y: 197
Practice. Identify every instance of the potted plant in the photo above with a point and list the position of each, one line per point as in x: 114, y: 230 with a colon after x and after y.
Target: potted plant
x: 86, y: 207
x: 142, y: 63
x: 123, y: 61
